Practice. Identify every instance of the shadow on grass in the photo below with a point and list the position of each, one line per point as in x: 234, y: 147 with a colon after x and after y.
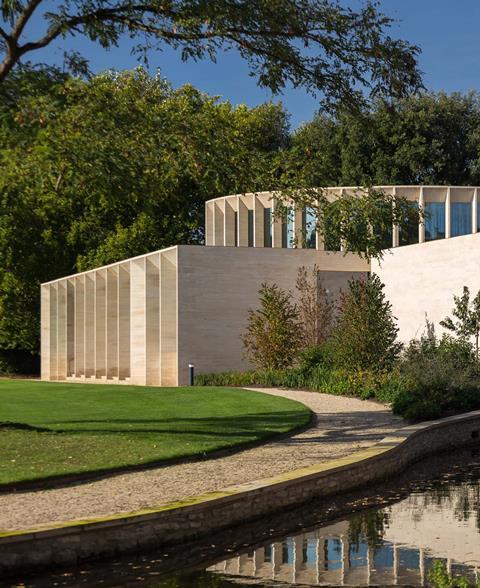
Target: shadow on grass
x: 10, y: 426
x: 259, y: 423
x: 335, y: 428
x: 323, y: 428
x: 259, y: 433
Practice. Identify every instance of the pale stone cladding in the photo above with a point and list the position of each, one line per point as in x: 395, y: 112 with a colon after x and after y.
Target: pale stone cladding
x: 218, y: 285
x: 142, y: 321
x: 421, y: 280
x: 107, y: 324
x: 239, y: 219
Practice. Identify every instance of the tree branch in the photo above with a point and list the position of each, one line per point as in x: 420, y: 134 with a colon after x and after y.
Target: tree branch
x: 119, y: 15
x: 346, y: 45
x: 4, y: 35
x: 24, y: 18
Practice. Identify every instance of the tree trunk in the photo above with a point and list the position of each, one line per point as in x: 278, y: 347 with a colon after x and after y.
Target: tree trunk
x: 7, y: 65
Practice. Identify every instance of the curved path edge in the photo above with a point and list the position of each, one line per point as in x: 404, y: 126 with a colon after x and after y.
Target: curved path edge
x: 62, y: 480
x: 77, y: 541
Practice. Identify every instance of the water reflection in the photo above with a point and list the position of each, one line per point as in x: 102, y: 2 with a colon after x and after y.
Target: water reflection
x: 430, y: 512
x: 326, y: 557
x: 395, y: 545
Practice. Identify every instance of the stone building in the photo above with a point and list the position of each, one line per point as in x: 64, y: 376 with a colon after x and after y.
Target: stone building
x: 144, y: 320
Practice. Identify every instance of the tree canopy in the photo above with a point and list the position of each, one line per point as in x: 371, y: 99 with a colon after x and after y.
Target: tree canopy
x: 320, y: 45
x: 97, y: 171
x: 426, y: 139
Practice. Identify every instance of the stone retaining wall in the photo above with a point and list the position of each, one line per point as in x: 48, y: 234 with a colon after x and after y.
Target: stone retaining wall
x: 79, y: 541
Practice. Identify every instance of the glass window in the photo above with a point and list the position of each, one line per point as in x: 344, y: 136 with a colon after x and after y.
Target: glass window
x: 408, y: 235
x: 288, y: 548
x: 461, y: 218
x: 434, y: 220
x: 334, y: 551
x: 309, y: 552
x: 409, y: 558
x: 309, y: 228
x: 384, y: 231
x: 358, y: 554
x: 387, y: 238
x: 267, y: 557
x: 288, y: 234
x: 236, y: 227
x: 267, y: 227
x: 250, y: 228
x: 383, y: 556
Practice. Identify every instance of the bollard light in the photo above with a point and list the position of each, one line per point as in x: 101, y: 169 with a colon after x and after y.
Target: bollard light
x: 191, y: 374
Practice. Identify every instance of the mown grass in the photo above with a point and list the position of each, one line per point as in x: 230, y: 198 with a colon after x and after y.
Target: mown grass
x: 50, y: 429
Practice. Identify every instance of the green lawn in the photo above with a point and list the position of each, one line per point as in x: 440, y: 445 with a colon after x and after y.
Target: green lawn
x: 56, y: 429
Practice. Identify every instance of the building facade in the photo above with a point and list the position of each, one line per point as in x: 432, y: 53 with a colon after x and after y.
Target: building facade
x: 144, y: 320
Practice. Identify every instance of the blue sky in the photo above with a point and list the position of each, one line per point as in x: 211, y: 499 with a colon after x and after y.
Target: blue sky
x: 446, y: 30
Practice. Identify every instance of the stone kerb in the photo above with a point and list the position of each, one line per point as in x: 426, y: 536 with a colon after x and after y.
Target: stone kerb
x: 77, y: 541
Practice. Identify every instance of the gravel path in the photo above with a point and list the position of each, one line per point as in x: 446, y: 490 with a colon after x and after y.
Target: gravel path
x: 342, y: 426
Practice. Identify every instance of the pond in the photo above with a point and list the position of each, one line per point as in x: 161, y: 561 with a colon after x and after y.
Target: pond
x: 431, y: 512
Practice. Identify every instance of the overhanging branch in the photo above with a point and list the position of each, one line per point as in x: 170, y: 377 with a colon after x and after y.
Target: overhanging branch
x: 24, y: 18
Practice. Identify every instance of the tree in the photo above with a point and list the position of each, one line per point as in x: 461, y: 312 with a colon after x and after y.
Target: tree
x: 314, y: 157
x: 429, y: 138
x: 365, y: 337
x: 423, y: 139
x: 439, y: 576
x: 100, y: 170
x: 315, y: 306
x: 316, y: 44
x: 360, y: 220
x: 273, y: 334
x: 466, y: 317
x: 22, y: 84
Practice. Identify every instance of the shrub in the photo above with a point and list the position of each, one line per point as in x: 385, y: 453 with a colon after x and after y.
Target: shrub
x: 439, y: 577
x: 457, y: 352
x: 382, y: 386
x: 17, y: 361
x: 365, y: 337
x: 272, y: 339
x: 316, y: 307
x: 433, y: 377
x: 320, y: 378
x: 313, y: 356
x: 441, y: 378
x: 267, y: 378
x: 466, y: 313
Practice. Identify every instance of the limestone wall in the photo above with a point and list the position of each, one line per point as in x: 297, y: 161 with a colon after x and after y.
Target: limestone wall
x: 238, y: 219
x: 420, y: 280
x: 114, y: 324
x: 143, y: 320
x: 218, y: 285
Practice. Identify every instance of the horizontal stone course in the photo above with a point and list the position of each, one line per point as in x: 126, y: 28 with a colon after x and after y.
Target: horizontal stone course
x: 79, y: 541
